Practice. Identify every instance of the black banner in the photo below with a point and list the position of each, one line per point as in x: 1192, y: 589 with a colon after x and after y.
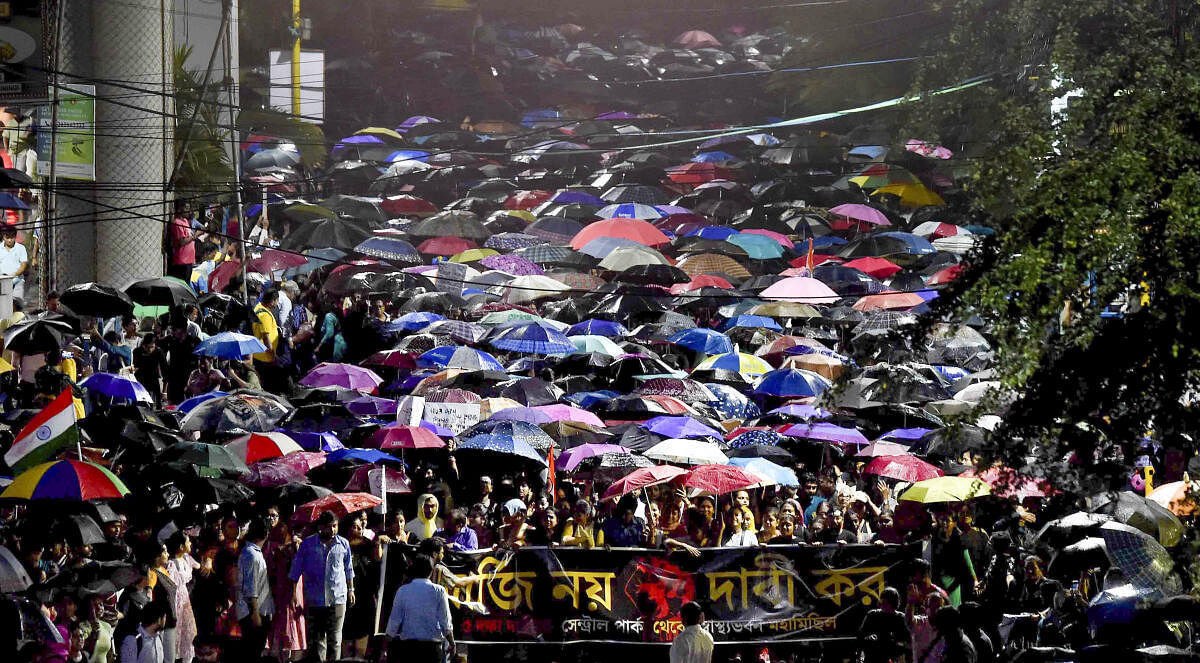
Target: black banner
x: 628, y: 594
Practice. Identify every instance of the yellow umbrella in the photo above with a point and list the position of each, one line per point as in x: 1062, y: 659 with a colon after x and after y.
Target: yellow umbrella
x: 5, y: 366
x: 946, y: 489
x: 911, y: 195
x: 471, y: 255
x: 380, y: 131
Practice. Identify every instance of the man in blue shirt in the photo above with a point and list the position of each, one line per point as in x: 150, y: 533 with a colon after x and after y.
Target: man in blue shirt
x: 419, y: 626
x: 457, y: 534
x: 323, y: 560
x: 254, y: 606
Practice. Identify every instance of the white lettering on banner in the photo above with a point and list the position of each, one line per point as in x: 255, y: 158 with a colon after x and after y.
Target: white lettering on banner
x: 458, y: 417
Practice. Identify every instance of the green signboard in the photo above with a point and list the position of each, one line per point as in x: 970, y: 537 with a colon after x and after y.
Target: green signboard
x: 75, y: 134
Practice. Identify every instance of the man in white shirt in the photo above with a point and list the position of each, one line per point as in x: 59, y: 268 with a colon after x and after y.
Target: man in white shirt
x: 693, y: 644
x: 13, y: 261
x: 255, y: 605
x: 146, y: 645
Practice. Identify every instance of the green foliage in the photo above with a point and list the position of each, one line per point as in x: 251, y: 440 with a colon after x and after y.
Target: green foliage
x: 1090, y: 204
x: 308, y: 137
x: 204, y: 165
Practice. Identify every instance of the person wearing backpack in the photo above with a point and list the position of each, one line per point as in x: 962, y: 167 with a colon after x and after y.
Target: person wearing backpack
x: 146, y: 644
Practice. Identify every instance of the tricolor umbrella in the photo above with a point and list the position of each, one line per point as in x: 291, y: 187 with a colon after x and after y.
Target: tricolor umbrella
x: 66, y: 480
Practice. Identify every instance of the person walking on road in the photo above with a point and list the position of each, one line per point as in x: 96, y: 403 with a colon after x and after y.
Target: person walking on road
x: 323, y: 561
x: 419, y: 628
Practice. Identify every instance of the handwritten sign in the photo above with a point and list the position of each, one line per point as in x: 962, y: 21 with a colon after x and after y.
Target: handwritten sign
x: 458, y: 417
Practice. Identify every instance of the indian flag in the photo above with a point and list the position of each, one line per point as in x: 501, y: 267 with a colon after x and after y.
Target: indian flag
x: 49, y: 432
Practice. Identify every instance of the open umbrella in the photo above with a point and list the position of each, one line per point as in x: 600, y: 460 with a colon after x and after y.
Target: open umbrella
x: 570, y: 459
x: 117, y: 386
x: 771, y: 472
x: 945, y: 489
x: 721, y: 479
x: 643, y: 478
x: 902, y: 468
x: 687, y: 452
x: 229, y: 345
x: 162, y: 291
x: 404, y: 437
x: 262, y: 446
x: 13, y: 576
x: 236, y: 413
x: 96, y: 300
x: 341, y: 504
x: 501, y: 444
x: 66, y: 480
x: 328, y: 374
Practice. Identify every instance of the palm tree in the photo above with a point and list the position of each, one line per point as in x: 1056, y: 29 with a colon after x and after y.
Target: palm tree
x: 202, y: 162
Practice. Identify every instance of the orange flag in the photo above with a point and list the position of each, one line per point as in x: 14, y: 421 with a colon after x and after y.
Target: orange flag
x: 809, y: 259
x: 550, y: 481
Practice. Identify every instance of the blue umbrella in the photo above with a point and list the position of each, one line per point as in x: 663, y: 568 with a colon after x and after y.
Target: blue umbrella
x: 751, y: 437
x: 713, y: 157
x: 916, y: 244
x: 708, y: 341
x: 187, y: 405
x: 731, y: 403
x: 765, y: 468
x: 828, y: 241
x: 315, y: 441
x: 457, y: 356
x: 758, y: 247
x: 680, y: 427
x: 596, y: 327
x: 542, y: 116
x: 586, y: 399
x: 792, y: 383
x: 572, y: 197
x: 533, y: 339
x: 505, y: 444
x: 440, y: 431
x: 906, y: 434
x: 229, y: 345
x: 802, y: 411
x: 117, y: 386
x: 390, y: 248
x: 414, y: 321
x: 712, y: 232
x: 524, y: 431
x: 630, y: 211
x: 407, y: 155
x: 364, y: 455
x: 751, y: 322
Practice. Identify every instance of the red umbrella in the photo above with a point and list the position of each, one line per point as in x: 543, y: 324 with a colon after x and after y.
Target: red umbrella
x: 405, y: 437
x: 699, y: 173
x: 341, y: 504
x: 880, y: 268
x: 408, y: 206
x: 720, y: 479
x: 391, y: 359
x: 527, y: 200
x: 219, y: 279
x: 446, y: 246
x: 701, y: 281
x: 632, y: 229
x: 944, y: 276
x: 902, y: 468
x: 1007, y: 482
x: 272, y: 259
x: 643, y: 478
x: 888, y: 300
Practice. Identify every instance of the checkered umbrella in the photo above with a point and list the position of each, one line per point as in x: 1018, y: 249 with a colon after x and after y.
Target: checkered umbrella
x: 712, y: 263
x: 545, y: 254
x: 463, y: 332
x: 1145, y: 563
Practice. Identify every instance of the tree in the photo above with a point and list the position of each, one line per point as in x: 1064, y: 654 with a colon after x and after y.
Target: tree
x: 1092, y: 202
x: 200, y: 142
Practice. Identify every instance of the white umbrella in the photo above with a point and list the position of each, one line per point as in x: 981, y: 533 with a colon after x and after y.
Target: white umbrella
x: 531, y: 288
x: 624, y: 257
x: 687, y: 452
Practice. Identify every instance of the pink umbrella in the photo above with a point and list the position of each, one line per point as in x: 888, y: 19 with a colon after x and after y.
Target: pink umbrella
x: 632, y: 229
x: 928, y: 149
x: 902, y: 468
x: 888, y: 300
x: 291, y: 468
x: 1007, y: 482
x: 883, y: 448
x: 863, y: 213
x: 327, y: 374
x: 404, y: 437
x: 801, y: 289
x: 697, y: 39
x: 397, y: 482
x: 570, y: 459
x: 720, y: 479
x: 778, y: 237
x: 643, y: 478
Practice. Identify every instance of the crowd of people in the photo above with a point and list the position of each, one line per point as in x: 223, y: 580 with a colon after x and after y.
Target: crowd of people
x: 220, y: 562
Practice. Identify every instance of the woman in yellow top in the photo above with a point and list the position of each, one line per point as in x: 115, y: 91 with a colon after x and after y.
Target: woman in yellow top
x: 581, y: 531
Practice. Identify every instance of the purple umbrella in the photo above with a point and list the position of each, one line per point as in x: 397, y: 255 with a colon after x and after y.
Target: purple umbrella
x: 802, y: 411
x: 372, y: 406
x: 440, y: 431
x: 571, y: 458
x: 510, y: 264
x: 906, y: 434
x: 827, y: 432
x: 281, y: 471
x: 546, y: 414
x: 328, y: 374
x: 310, y: 441
x: 680, y: 427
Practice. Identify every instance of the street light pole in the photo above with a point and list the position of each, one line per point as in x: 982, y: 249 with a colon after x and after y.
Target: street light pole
x: 296, y: 33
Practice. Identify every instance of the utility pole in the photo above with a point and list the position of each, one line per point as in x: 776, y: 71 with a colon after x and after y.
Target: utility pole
x: 297, y: 32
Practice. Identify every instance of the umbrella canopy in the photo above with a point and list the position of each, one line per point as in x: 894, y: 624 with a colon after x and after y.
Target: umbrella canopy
x: 341, y: 504
x: 162, y: 291
x: 237, y: 413
x: 230, y: 345
x: 801, y: 289
x: 117, y: 386
x: 707, y: 341
x: 686, y: 452
x: 201, y: 456
x: 96, y: 300
x: 404, y: 437
x: 1176, y: 497
x: 680, y: 427
x: 945, y: 489
x: 643, y: 478
x: 262, y: 446
x: 13, y: 576
x: 534, y: 339
x: 882, y: 448
x: 328, y: 374
x: 792, y: 383
x: 902, y: 468
x: 455, y: 356
x: 570, y: 459
x: 827, y: 432
x: 633, y: 230
x: 501, y: 444
x: 740, y: 362
x: 771, y: 472
x: 1144, y: 561
x: 1136, y: 511
x: 721, y: 479
x: 73, y: 480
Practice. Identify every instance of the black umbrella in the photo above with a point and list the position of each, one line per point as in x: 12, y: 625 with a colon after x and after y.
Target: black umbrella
x: 243, y: 411
x: 653, y: 274
x: 532, y: 392
x: 80, y: 530
x: 273, y: 158
x: 162, y: 291
x: 453, y: 223
x: 96, y: 300
x: 320, y: 418
x: 334, y: 233
x: 434, y: 302
x: 37, y: 336
x: 769, y: 452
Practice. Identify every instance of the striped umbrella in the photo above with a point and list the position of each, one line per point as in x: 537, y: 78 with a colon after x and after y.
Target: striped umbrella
x: 66, y: 480
x: 261, y: 446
